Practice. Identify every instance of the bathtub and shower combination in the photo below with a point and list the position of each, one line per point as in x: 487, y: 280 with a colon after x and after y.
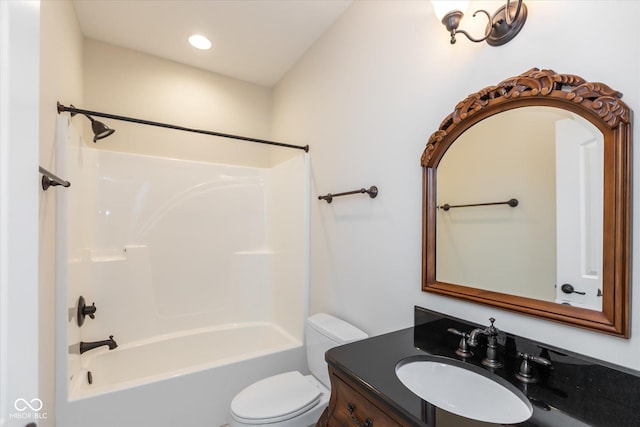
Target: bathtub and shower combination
x: 190, y: 271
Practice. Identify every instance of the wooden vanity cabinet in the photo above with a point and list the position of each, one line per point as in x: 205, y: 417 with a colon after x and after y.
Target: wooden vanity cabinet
x: 350, y: 405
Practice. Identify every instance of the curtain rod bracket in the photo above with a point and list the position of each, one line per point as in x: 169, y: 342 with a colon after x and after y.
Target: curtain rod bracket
x: 51, y: 180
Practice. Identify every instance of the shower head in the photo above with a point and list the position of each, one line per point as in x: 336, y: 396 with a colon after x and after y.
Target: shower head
x: 100, y: 130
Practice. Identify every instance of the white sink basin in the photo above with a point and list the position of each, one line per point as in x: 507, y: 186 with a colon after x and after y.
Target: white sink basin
x: 464, y: 390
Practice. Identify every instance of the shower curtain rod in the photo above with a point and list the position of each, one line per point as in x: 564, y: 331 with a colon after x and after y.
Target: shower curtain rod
x: 74, y: 110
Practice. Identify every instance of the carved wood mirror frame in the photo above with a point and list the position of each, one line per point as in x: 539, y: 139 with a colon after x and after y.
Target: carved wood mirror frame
x: 600, y: 105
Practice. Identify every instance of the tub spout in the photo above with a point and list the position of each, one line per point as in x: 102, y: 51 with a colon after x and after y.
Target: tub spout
x: 86, y: 346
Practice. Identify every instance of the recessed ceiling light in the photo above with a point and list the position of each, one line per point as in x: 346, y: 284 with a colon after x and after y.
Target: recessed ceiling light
x: 199, y: 42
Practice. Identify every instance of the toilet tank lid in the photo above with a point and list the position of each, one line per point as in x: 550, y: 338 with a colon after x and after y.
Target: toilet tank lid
x: 336, y: 329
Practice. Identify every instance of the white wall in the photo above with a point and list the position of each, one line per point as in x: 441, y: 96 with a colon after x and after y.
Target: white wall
x: 367, y: 96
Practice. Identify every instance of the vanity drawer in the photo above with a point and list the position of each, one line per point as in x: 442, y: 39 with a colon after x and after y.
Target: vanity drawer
x: 349, y: 408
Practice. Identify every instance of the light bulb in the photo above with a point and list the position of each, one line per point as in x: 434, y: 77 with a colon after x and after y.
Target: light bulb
x: 442, y: 7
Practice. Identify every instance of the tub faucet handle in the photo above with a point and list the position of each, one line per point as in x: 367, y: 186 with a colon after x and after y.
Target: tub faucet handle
x: 85, y: 310
x: 89, y: 310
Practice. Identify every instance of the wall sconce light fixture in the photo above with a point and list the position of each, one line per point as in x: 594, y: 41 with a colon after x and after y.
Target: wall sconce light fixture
x: 503, y: 25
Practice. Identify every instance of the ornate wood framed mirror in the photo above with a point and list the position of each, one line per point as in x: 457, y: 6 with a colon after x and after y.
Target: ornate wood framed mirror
x: 526, y: 201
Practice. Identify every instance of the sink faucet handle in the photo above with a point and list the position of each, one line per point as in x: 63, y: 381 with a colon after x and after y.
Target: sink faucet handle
x: 457, y: 332
x: 538, y: 359
x: 463, y: 347
x: 525, y: 373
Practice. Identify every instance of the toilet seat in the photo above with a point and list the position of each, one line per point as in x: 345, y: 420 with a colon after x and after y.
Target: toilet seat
x: 274, y: 399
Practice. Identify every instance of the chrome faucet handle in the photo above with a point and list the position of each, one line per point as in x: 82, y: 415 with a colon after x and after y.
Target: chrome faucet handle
x: 525, y: 373
x: 463, y: 347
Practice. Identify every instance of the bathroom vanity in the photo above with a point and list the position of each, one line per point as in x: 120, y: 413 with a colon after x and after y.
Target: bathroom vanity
x: 573, y: 391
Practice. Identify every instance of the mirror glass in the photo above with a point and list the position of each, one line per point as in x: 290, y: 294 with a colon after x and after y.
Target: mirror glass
x: 527, y: 201
x: 549, y: 163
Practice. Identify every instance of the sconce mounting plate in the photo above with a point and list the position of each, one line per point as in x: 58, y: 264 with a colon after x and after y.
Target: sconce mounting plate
x: 504, y: 30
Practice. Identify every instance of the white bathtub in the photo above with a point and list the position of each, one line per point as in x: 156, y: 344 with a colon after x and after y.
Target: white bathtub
x: 185, y: 379
x: 180, y: 257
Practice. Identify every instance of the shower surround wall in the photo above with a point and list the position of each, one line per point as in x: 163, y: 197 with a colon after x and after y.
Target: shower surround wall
x: 169, y: 249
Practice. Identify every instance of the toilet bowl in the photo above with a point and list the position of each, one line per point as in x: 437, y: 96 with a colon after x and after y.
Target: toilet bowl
x: 292, y: 399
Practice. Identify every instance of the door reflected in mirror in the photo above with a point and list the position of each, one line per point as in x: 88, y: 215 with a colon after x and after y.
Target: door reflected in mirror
x: 551, y: 161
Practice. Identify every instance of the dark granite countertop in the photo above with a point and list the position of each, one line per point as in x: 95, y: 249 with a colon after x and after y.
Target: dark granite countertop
x: 574, y: 391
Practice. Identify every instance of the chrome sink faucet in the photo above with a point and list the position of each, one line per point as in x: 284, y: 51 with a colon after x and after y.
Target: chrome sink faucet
x: 491, y: 359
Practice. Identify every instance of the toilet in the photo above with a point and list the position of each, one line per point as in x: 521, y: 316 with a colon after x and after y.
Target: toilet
x: 292, y: 399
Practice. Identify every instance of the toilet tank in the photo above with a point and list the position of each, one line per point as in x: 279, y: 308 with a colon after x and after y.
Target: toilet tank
x: 323, y: 332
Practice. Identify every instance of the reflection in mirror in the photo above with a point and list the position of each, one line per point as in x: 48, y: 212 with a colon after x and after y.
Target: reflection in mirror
x: 549, y: 160
x: 562, y: 251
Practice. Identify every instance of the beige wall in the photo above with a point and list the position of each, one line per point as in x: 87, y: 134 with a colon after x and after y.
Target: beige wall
x: 489, y: 164
x: 128, y: 83
x: 61, y: 79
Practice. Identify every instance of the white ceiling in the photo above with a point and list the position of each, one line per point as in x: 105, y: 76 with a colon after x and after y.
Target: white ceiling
x: 253, y: 40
